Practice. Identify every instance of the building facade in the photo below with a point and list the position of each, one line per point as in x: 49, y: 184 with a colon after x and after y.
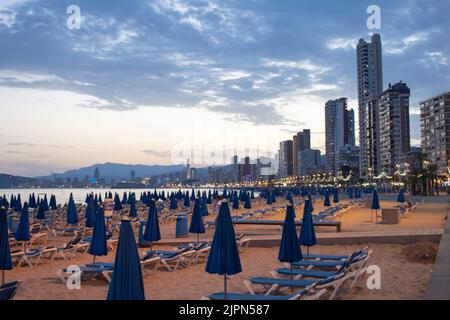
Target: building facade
x: 285, y: 159
x: 435, y: 131
x: 370, y: 86
x: 309, y: 162
x: 338, y: 131
x: 393, y: 109
x: 348, y: 158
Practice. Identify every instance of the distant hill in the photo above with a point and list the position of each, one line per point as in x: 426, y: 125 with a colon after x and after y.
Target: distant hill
x: 117, y: 171
x: 10, y: 181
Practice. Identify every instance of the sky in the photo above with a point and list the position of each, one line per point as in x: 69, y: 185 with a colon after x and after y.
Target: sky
x: 157, y: 82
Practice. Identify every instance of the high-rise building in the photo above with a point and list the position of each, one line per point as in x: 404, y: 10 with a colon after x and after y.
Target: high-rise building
x: 338, y: 131
x: 285, y: 159
x: 295, y: 155
x: 309, y: 162
x: 393, y: 109
x: 371, y: 146
x: 435, y: 131
x: 301, y: 141
x: 304, y: 140
x: 370, y: 86
x: 348, y: 157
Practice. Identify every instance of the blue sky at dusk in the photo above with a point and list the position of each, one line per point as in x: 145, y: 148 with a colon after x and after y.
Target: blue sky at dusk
x: 138, y: 75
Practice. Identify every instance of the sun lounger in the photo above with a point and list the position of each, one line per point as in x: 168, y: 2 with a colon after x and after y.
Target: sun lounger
x: 302, y: 294
x: 8, y: 290
x: 86, y: 273
x: 332, y: 257
x: 300, y: 273
x: 354, y: 258
x: 274, y: 284
x: 201, y: 254
x: 69, y: 250
x: 243, y: 244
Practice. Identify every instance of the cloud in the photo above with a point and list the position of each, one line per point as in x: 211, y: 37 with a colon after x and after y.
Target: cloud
x: 399, y: 47
x: 435, y: 58
x: 7, y: 18
x: 342, y: 43
x: 15, y: 76
x: 23, y: 144
x: 155, y: 153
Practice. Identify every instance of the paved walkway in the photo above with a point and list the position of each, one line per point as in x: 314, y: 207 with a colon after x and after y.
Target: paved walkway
x: 341, y: 238
x: 439, y: 285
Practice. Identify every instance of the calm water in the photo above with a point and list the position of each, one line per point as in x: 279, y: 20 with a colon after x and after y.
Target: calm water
x: 79, y: 195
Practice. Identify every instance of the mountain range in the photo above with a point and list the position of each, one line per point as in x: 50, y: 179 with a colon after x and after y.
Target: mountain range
x: 116, y: 171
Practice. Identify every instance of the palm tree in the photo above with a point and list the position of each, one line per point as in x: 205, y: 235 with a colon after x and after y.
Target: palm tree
x: 422, y: 158
x: 432, y: 172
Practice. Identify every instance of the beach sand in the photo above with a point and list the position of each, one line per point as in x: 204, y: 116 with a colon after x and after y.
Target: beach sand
x: 401, y: 277
x: 404, y: 271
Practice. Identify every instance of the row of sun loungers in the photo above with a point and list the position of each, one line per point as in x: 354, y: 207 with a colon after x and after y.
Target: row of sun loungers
x: 171, y: 260
x: 312, y: 277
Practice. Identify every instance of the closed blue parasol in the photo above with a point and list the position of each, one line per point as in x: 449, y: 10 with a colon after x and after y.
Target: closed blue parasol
x: 375, y: 204
x: 248, y: 202
x: 187, y: 202
x: 52, y: 204
x: 41, y: 212
x: 197, y: 225
x: 326, y: 202
x: 133, y: 210
x: 126, y: 281
x: 307, y: 234
x: 23, y: 229
x: 401, y: 196
x: 204, y: 207
x: 152, y: 232
x: 98, y: 245
x: 90, y: 213
x: 335, y: 195
x: 235, y: 202
x: 173, y: 203
x: 289, y: 247
x: 223, y: 258
x: 117, y: 203
x: 5, y: 251
x: 72, y: 213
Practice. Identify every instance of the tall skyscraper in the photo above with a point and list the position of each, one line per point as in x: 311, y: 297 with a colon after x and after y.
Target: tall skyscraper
x: 301, y: 141
x: 304, y: 140
x: 435, y: 131
x: 295, y: 152
x: 370, y: 86
x: 339, y: 131
x: 393, y: 111
x: 285, y: 159
x: 372, y: 143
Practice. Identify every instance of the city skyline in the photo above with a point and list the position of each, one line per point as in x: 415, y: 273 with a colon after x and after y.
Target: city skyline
x: 126, y: 86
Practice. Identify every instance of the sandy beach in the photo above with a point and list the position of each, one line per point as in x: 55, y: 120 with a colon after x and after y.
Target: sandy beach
x: 405, y: 269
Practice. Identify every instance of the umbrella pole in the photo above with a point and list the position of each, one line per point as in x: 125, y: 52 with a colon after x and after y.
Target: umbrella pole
x: 225, y: 286
x: 307, y: 252
x: 93, y: 262
x: 198, y: 237
x: 3, y: 277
